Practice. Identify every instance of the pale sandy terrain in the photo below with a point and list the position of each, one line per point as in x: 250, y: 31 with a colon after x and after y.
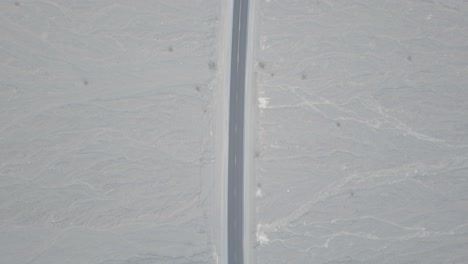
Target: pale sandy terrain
x: 362, y: 134
x: 107, y: 131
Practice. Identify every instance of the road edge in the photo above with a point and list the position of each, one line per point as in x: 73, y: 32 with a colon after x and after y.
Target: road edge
x: 222, y: 122
x: 250, y: 118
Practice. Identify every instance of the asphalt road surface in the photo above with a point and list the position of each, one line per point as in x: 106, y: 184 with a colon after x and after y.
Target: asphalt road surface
x: 236, y: 133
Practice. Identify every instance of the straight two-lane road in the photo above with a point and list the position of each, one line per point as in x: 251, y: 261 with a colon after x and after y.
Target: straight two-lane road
x: 236, y: 133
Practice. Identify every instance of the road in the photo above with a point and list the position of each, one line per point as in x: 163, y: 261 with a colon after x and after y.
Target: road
x: 236, y: 133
